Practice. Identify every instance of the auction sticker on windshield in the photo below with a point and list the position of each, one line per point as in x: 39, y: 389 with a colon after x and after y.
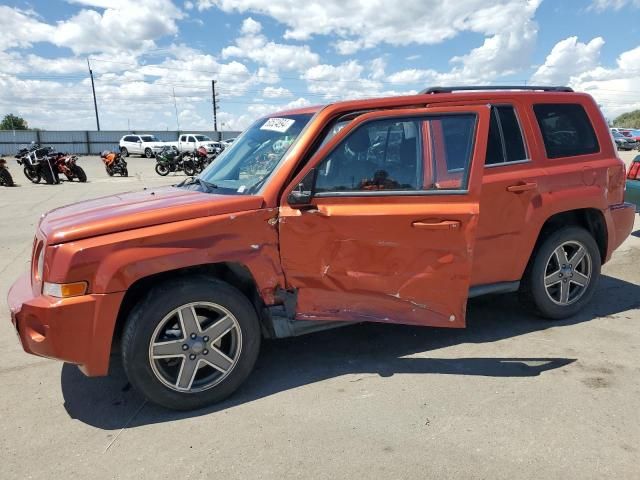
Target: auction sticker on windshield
x: 280, y: 125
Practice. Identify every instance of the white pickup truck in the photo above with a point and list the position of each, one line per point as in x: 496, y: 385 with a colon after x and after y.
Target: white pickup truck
x: 189, y: 142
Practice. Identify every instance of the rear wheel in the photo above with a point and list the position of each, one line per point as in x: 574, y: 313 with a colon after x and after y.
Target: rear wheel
x: 125, y: 172
x: 124, y: 152
x: 148, y: 153
x: 190, y: 343
x: 563, y: 275
x: 162, y: 169
x: 5, y: 178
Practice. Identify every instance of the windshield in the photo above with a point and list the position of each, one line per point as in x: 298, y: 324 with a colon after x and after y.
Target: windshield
x: 244, y: 166
x: 149, y: 138
x: 202, y: 138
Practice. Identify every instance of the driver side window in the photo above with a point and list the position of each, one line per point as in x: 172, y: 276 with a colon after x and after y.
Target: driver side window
x: 379, y: 155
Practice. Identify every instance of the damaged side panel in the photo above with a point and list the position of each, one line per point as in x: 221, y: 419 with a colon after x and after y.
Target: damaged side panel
x: 371, y: 263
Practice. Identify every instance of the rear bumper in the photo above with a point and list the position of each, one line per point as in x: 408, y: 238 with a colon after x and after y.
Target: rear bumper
x: 620, y: 224
x: 77, y: 330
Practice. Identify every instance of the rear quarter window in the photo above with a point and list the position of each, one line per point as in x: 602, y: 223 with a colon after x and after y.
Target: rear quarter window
x: 566, y: 130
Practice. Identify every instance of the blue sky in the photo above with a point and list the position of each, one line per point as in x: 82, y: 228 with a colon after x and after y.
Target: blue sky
x: 273, y: 54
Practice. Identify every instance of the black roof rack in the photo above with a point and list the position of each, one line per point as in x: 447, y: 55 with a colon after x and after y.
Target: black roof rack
x: 433, y: 90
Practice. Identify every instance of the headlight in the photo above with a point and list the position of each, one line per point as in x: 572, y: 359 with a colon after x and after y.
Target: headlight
x: 64, y: 290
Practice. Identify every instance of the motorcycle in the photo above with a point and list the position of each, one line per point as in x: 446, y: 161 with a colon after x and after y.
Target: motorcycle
x: 5, y: 177
x: 37, y: 164
x: 115, y: 163
x: 169, y: 159
x: 202, y: 159
x: 66, y: 164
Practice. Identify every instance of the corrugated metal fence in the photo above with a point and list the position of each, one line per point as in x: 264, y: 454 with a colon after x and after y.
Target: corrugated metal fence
x: 87, y: 142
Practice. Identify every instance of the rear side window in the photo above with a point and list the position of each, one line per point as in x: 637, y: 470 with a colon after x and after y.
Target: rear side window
x: 566, y: 130
x: 130, y: 139
x: 505, y: 137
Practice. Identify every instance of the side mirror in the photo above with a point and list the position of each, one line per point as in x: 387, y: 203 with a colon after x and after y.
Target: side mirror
x: 303, y: 193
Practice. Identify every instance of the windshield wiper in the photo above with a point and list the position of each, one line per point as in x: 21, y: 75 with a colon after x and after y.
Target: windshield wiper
x: 197, y: 180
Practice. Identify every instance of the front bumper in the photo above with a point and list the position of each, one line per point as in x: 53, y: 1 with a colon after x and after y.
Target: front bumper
x: 77, y: 330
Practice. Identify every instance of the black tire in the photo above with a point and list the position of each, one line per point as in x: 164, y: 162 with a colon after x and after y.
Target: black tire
x: 32, y: 174
x: 124, y: 172
x: 79, y: 173
x: 535, y: 293
x: 189, y: 169
x: 5, y: 178
x: 109, y: 170
x: 148, y: 153
x: 48, y: 175
x: 150, y: 312
x: 124, y: 152
x: 162, y: 169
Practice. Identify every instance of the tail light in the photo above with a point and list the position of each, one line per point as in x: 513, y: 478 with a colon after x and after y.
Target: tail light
x: 634, y: 171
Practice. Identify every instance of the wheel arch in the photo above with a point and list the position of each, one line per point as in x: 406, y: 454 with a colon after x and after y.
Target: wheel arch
x: 233, y: 273
x: 591, y: 219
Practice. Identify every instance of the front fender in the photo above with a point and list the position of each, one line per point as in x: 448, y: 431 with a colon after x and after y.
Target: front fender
x: 113, y: 262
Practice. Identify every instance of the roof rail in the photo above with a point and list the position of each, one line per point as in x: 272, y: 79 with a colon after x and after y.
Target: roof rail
x: 433, y: 90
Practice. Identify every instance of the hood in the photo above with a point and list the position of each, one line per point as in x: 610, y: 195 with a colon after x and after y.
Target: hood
x: 117, y: 213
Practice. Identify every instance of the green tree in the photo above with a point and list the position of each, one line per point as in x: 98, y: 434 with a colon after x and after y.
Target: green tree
x: 13, y: 122
x: 628, y: 120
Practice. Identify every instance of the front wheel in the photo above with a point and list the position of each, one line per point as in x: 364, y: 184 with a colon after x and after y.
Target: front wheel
x: 32, y: 174
x: 79, y: 173
x: 563, y: 275
x: 190, y: 343
x: 124, y: 172
x: 162, y: 169
x: 189, y: 169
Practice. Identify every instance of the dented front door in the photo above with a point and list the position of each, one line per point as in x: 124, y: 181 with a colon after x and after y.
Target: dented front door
x: 390, y: 231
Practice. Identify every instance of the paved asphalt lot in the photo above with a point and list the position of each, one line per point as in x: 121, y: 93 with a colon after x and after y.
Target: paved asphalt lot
x: 510, y: 397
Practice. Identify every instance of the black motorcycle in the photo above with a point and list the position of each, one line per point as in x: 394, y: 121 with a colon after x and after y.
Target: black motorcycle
x: 115, y: 164
x: 37, y: 163
x: 169, y: 159
x: 5, y: 177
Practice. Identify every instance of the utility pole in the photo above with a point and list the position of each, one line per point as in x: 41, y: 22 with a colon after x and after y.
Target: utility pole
x: 93, y: 89
x: 215, y: 109
x: 175, y: 105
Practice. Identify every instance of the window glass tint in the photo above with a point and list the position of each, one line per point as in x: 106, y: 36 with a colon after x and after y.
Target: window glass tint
x: 130, y: 139
x: 380, y: 155
x: 505, y: 137
x: 511, y: 133
x: 449, y: 151
x: 495, y: 154
x: 566, y: 130
x: 401, y: 155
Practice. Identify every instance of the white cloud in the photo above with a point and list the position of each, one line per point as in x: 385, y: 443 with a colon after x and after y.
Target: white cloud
x: 276, y: 92
x: 568, y: 57
x: 601, y: 5
x: 377, y: 67
x: 364, y: 23
x: 123, y: 25
x: 254, y: 46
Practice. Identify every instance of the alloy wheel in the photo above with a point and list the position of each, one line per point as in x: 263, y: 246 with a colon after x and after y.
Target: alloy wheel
x: 568, y: 273
x: 195, y: 347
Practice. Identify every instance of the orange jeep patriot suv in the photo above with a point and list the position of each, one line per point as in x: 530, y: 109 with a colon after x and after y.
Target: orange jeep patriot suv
x: 387, y: 210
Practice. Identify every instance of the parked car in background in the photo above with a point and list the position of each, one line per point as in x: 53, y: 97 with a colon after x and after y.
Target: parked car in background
x: 393, y: 210
x: 144, y: 145
x: 622, y: 142
x: 632, y: 193
x: 632, y: 133
x: 189, y: 142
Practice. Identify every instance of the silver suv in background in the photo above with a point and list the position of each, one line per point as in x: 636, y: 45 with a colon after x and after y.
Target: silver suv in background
x: 144, y: 145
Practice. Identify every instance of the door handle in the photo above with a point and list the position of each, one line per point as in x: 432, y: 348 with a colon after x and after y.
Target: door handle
x: 443, y: 225
x: 522, y: 187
